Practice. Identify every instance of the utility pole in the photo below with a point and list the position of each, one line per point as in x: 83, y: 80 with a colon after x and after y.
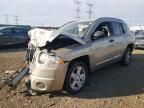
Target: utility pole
x: 6, y: 19
x: 130, y: 21
x: 16, y: 19
x: 0, y: 20
x: 90, y: 12
x: 77, y: 10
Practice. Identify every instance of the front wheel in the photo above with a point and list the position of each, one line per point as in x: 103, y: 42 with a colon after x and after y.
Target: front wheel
x: 76, y: 77
x: 127, y: 57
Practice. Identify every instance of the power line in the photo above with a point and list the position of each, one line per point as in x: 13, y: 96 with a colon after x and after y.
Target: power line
x: 90, y: 12
x: 77, y: 10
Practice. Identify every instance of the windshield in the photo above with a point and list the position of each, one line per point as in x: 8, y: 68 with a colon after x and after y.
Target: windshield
x: 78, y: 29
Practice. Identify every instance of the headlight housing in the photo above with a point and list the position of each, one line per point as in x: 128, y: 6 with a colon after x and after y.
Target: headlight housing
x: 51, y: 60
x: 42, y: 57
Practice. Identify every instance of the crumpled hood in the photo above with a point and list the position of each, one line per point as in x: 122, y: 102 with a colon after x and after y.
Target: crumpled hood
x: 40, y: 37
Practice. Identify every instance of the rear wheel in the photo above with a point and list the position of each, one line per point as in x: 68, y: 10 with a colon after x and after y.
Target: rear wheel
x: 127, y: 57
x: 76, y: 77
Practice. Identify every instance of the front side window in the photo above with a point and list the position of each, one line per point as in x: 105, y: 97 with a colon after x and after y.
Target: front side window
x: 103, y: 30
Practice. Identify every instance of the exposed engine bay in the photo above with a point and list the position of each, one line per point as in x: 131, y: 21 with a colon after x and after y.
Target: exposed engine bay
x: 60, y: 42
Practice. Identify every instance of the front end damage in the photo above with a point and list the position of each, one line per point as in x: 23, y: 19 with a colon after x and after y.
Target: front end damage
x: 47, y: 72
x: 46, y: 69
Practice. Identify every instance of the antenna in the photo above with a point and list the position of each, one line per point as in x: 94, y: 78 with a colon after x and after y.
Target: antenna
x: 90, y: 12
x: 77, y: 10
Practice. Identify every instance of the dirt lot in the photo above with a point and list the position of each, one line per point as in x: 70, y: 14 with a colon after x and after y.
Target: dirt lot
x: 111, y: 87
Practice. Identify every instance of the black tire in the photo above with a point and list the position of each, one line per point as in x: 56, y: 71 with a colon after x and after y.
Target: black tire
x: 69, y: 79
x: 127, y: 57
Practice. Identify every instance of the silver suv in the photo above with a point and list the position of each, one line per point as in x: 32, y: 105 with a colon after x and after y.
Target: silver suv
x: 63, y: 58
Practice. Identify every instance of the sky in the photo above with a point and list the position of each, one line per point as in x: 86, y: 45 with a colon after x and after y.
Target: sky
x: 58, y: 12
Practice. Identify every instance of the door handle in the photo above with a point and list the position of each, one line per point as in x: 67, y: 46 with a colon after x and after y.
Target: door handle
x: 112, y: 40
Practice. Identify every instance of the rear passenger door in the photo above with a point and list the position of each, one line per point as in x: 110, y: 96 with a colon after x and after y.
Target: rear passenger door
x: 118, y: 38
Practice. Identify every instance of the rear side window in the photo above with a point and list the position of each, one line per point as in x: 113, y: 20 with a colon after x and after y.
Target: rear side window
x: 116, y: 28
x: 123, y: 27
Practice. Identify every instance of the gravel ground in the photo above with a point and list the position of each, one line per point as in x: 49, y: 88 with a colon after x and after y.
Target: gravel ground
x: 111, y: 87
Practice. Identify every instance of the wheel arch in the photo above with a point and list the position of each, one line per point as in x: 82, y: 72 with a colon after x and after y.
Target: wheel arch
x: 85, y: 59
x: 131, y: 46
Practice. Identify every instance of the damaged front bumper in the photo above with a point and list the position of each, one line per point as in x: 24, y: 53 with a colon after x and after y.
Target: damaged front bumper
x: 46, y: 79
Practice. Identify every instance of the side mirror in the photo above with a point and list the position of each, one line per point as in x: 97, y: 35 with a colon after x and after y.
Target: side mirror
x: 99, y: 34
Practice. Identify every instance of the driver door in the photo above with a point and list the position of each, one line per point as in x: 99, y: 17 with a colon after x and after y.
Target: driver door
x: 102, y: 47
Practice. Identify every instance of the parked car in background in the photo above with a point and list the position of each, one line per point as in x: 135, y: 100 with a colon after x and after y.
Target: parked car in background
x: 12, y: 35
x: 63, y: 58
x: 139, y: 39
